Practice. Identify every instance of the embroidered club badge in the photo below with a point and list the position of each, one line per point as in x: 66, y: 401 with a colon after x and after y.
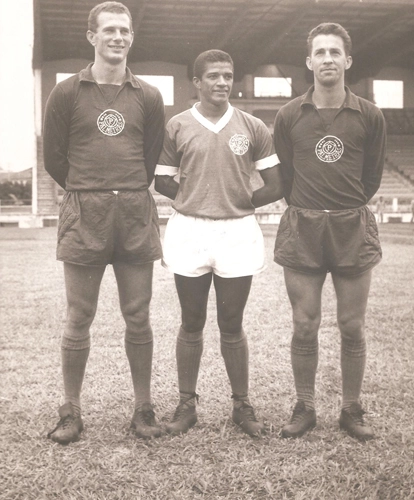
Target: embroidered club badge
x: 111, y: 122
x: 239, y: 144
x: 329, y: 149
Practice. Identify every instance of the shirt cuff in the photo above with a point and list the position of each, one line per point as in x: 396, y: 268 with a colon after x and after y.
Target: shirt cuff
x: 268, y: 162
x: 166, y: 170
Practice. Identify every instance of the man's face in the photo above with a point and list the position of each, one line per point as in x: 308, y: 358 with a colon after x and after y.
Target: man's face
x: 328, y: 60
x: 216, y: 83
x: 113, y: 37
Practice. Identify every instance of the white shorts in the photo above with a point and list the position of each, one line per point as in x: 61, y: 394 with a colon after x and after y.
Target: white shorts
x: 230, y: 248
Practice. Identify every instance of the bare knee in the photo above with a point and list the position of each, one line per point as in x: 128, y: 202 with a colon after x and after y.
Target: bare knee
x: 136, y: 317
x: 306, y: 327
x: 351, y: 328
x: 230, y: 321
x: 193, y: 321
x: 80, y: 316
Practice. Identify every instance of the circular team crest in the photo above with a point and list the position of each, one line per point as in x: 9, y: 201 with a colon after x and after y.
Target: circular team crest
x: 239, y: 144
x: 111, y: 122
x: 329, y: 149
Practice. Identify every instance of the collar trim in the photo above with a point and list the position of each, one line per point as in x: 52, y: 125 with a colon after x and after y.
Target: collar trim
x: 85, y: 75
x: 213, y: 127
x: 351, y: 100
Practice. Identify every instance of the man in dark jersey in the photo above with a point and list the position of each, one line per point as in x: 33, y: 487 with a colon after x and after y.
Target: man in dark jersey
x: 103, y: 133
x: 331, y: 145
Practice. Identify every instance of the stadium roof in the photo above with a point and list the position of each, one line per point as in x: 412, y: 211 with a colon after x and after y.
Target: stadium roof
x: 254, y: 32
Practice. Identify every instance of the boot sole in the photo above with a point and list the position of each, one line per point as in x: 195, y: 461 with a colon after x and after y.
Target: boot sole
x: 355, y: 434
x: 177, y: 432
x: 293, y: 435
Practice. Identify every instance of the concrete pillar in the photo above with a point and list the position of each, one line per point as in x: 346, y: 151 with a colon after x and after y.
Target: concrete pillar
x: 370, y: 89
x: 248, y: 86
x: 395, y: 204
x: 17, y: 95
x: 38, y: 131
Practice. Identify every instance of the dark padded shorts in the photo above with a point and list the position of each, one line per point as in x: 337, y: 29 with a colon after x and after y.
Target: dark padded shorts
x: 344, y: 242
x: 102, y: 227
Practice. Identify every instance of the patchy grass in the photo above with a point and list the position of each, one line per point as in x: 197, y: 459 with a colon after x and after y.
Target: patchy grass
x: 215, y: 459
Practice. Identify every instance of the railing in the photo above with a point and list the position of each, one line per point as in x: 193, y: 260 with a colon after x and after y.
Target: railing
x: 9, y: 207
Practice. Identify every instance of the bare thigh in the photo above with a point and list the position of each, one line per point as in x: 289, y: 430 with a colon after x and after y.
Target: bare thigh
x: 305, y: 295
x: 82, y: 291
x: 193, y: 296
x: 352, y: 298
x: 231, y: 295
x: 135, y: 291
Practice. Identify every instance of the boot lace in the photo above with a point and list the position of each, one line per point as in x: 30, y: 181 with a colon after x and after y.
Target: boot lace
x: 148, y: 417
x: 64, y: 423
x: 248, y: 412
x: 357, y: 413
x: 298, y: 412
x: 183, y: 407
x: 246, y: 409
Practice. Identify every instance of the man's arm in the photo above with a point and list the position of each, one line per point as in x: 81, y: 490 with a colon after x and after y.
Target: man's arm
x: 56, y: 137
x: 284, y: 151
x: 374, y: 156
x: 153, y: 133
x: 272, y: 190
x: 166, y: 185
x: 168, y: 165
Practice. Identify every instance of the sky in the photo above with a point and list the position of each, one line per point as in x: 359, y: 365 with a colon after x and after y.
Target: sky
x: 17, y: 94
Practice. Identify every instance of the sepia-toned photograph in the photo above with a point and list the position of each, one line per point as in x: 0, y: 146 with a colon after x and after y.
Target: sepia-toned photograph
x: 207, y: 249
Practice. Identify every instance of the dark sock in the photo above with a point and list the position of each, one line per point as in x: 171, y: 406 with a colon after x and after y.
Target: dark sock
x: 140, y: 361
x: 304, y: 356
x: 235, y: 352
x: 73, y: 369
x: 189, y: 348
x: 353, y: 358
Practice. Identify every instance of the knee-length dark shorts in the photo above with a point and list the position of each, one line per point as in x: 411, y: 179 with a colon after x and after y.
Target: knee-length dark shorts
x: 102, y: 227
x: 344, y: 242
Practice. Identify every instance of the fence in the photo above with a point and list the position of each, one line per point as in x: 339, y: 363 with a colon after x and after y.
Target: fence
x: 20, y: 207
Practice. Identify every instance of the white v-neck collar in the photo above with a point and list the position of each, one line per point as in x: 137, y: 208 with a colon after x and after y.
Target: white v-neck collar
x: 214, y: 127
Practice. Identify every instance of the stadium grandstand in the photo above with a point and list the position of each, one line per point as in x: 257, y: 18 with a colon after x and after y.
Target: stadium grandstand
x: 267, y: 41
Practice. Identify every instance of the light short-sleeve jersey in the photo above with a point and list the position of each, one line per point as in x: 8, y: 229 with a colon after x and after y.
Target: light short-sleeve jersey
x: 215, y: 162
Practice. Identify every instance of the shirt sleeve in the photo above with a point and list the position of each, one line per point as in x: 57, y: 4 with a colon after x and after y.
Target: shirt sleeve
x: 374, y: 156
x: 264, y: 153
x: 56, y: 136
x: 166, y: 170
x: 284, y: 151
x: 153, y: 133
x: 170, y: 158
x: 270, y: 161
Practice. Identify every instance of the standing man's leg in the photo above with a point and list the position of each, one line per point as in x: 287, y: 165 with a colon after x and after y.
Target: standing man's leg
x: 135, y: 292
x: 305, y: 292
x: 352, y: 297
x: 232, y: 295
x: 193, y: 296
x: 82, y: 290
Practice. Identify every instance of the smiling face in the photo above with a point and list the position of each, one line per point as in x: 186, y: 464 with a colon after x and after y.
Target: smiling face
x: 215, y: 84
x: 328, y: 60
x: 113, y: 37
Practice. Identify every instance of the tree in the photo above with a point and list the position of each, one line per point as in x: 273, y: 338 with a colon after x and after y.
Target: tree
x: 16, y: 193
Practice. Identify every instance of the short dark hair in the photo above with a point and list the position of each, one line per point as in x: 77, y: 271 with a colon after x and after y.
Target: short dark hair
x: 209, y: 56
x: 330, y: 29
x: 115, y: 7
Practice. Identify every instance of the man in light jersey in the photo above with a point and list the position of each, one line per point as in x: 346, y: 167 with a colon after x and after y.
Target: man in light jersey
x: 213, y: 235
x: 331, y: 145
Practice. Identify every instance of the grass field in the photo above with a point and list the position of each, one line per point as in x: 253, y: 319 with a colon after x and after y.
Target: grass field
x: 214, y: 460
